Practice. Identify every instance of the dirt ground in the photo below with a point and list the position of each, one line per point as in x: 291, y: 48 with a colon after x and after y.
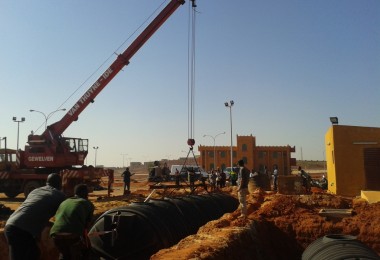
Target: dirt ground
x: 278, y: 226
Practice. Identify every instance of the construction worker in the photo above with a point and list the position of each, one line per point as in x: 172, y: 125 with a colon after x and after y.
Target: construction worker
x: 243, y: 179
x: 72, y: 220
x: 127, y: 180
x: 24, y: 227
x: 306, y: 179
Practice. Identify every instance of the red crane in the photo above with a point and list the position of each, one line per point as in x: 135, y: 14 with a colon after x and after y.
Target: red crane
x: 51, y: 149
x: 51, y: 152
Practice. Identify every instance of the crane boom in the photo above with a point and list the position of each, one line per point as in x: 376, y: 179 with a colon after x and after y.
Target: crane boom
x: 50, y: 149
x: 122, y: 60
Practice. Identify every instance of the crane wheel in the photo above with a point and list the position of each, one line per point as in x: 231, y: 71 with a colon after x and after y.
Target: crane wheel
x: 29, y: 186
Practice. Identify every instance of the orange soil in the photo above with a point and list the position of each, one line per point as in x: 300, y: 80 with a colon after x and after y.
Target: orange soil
x: 277, y: 225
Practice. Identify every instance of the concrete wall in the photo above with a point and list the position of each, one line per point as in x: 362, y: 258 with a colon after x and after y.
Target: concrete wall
x: 353, y: 163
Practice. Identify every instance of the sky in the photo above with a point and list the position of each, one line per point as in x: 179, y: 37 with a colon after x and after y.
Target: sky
x: 287, y: 65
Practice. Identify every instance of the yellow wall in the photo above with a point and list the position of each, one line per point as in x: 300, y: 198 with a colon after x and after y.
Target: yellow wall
x: 345, y: 157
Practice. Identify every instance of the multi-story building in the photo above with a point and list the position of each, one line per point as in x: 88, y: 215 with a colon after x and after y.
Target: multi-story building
x: 257, y: 158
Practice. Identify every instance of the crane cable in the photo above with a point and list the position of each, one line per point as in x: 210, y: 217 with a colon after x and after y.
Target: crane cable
x: 106, y: 61
x: 191, y: 72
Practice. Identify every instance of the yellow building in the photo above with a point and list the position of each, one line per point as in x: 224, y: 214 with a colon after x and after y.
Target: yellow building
x: 255, y: 157
x: 353, y: 159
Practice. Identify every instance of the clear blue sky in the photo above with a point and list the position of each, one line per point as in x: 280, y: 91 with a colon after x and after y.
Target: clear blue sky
x: 288, y: 66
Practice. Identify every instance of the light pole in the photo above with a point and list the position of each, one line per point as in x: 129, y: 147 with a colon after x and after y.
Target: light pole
x: 229, y: 105
x: 213, y: 138
x: 18, y: 126
x: 130, y: 160
x: 5, y: 148
x: 47, y: 116
x: 123, y: 154
x: 96, y: 152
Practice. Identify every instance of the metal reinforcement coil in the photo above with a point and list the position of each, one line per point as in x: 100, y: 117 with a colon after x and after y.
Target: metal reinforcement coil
x: 139, y: 230
x: 336, y: 246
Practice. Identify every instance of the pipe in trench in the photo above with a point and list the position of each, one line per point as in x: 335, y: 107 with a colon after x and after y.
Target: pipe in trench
x: 140, y: 229
x: 338, y: 246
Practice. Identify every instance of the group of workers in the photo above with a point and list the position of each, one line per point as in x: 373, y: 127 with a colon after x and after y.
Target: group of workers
x: 73, y: 216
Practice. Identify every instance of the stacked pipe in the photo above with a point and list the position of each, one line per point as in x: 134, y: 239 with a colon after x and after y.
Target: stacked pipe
x: 139, y: 230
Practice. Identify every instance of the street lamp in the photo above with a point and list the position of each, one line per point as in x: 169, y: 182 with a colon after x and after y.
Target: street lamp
x: 123, y: 154
x: 18, y: 126
x: 229, y: 105
x: 213, y: 138
x: 47, y: 116
x: 96, y: 152
x: 5, y: 148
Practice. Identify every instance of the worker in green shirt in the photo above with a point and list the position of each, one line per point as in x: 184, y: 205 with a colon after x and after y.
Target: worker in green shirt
x: 72, y: 220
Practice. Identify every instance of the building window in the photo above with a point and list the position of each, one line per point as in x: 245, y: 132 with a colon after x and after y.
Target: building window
x: 262, y: 154
x: 275, y: 155
x: 223, y: 154
x: 234, y: 154
x: 211, y: 154
x: 244, y: 148
x: 245, y: 160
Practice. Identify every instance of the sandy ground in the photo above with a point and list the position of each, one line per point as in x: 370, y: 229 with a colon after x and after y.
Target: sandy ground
x: 277, y: 225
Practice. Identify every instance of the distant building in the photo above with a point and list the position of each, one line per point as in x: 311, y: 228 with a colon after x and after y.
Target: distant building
x: 353, y: 159
x: 255, y: 157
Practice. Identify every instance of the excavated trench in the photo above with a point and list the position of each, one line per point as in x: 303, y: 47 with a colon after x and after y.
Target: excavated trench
x: 278, y: 227
x: 283, y: 227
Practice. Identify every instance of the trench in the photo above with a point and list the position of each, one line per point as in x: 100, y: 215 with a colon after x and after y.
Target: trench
x: 207, y: 227
x: 278, y: 227
x: 286, y: 227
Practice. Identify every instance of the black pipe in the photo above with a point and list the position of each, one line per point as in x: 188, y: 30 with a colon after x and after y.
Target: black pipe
x: 336, y: 246
x: 141, y: 229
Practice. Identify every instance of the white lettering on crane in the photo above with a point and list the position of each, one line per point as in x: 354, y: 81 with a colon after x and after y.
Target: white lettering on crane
x: 90, y: 91
x: 40, y: 158
x: 74, y: 109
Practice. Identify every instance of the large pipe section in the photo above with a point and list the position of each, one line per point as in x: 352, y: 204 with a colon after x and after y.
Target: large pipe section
x: 336, y: 247
x: 139, y: 230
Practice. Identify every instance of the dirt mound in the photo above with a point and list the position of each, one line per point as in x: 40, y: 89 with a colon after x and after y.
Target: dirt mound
x: 277, y: 225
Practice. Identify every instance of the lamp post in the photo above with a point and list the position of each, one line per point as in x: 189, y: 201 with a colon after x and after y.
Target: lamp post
x: 130, y: 160
x: 96, y: 152
x: 47, y: 116
x: 213, y: 138
x: 18, y: 126
x: 123, y: 154
x: 5, y: 148
x: 229, y: 105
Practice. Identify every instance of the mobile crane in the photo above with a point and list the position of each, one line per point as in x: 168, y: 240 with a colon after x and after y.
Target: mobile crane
x: 23, y: 171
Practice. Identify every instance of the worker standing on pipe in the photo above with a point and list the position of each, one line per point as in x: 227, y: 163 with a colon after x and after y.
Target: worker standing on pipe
x: 243, y: 179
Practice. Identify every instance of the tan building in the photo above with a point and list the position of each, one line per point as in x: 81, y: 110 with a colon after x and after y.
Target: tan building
x: 353, y: 159
x: 255, y: 157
